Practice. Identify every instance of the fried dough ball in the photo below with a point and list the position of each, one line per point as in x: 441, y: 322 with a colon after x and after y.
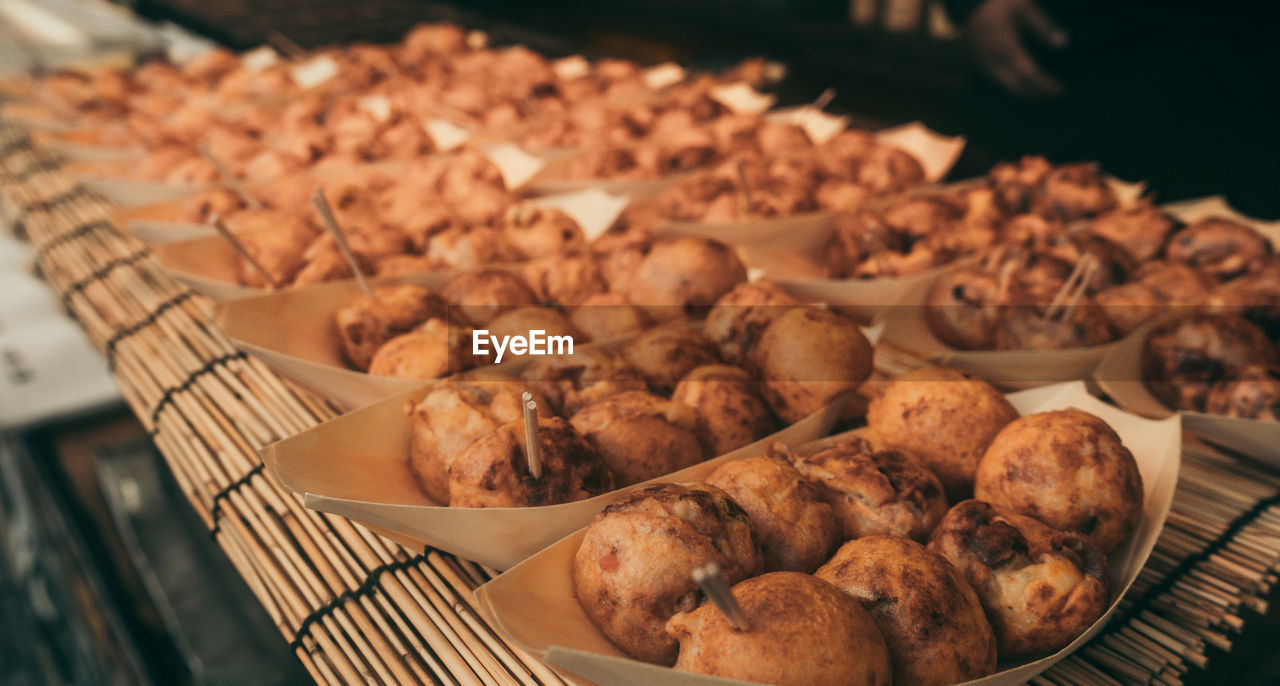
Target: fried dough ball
x: 1141, y: 230
x: 1068, y: 469
x: 807, y: 357
x: 736, y: 321
x: 665, y: 354
x: 1183, y: 358
x: 540, y: 231
x: 963, y: 308
x: 1027, y: 328
x: 797, y: 530
x: 1219, y: 247
x: 571, y: 382
x: 929, y: 616
x: 1254, y: 393
x: 1074, y: 191
x: 365, y: 323
x: 1015, y: 183
x: 641, y: 436
x: 432, y: 350
x: 945, y: 417
x: 483, y: 294
x: 1152, y: 289
x: 634, y: 568
x: 1041, y: 588
x: 449, y: 417
x: 730, y: 411
x: 876, y: 491
x: 493, y: 471
x: 685, y: 272
x: 567, y: 280
x: 609, y: 316
x: 804, y: 632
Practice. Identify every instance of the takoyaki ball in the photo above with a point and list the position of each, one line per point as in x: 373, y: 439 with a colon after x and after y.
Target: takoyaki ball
x: 730, y: 411
x: 483, y: 294
x: 1041, y: 588
x: 886, y: 169
x: 1218, y: 247
x: 807, y: 357
x: 470, y: 247
x: 796, y: 529
x: 856, y: 237
x: 449, y: 417
x: 1253, y: 393
x: 523, y: 321
x: 641, y: 436
x: 634, y: 568
x: 1256, y: 296
x: 539, y: 231
x: 945, y: 417
x: 609, y: 316
x: 567, y: 280
x: 838, y: 155
x: 434, y: 349
x: 571, y: 382
x: 685, y: 272
x: 734, y: 324
x: 201, y: 207
x: 1015, y: 183
x: 963, y: 308
x: 1074, y: 191
x: 1027, y: 328
x: 929, y: 616
x: 1032, y: 229
x: 1068, y: 469
x: 1151, y: 290
x: 1141, y: 230
x: 803, y: 632
x: 1183, y: 358
x: 664, y: 354
x: 876, y: 491
x: 365, y: 323
x: 493, y: 471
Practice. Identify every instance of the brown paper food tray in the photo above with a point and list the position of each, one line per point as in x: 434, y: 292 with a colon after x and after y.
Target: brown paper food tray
x: 357, y: 466
x: 534, y: 607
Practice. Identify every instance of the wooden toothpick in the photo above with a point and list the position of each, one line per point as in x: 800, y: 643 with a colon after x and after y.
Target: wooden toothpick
x: 533, y: 449
x: 717, y: 590
x: 742, y: 186
x: 229, y: 179
x: 824, y: 98
x: 225, y: 232
x: 331, y: 223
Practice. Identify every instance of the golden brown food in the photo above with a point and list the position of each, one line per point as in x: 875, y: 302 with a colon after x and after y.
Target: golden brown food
x: 665, y: 354
x: 1074, y: 191
x: 963, y: 308
x: 1218, y: 247
x: 929, y: 616
x: 641, y: 436
x: 1016, y: 183
x: 571, y: 382
x: 1253, y: 393
x: 482, y: 294
x: 684, y: 272
x: 730, y: 411
x: 945, y: 417
x: 876, y: 491
x: 1141, y: 229
x: 740, y: 316
x: 1031, y: 328
x: 1041, y: 588
x: 1182, y: 359
x: 796, y: 529
x: 633, y: 570
x: 523, y: 320
x: 1152, y: 289
x: 449, y: 417
x: 1068, y: 469
x: 609, y: 316
x: 432, y: 350
x: 804, y: 632
x: 567, y: 280
x: 365, y: 323
x: 493, y: 471
x: 807, y: 357
x: 539, y: 232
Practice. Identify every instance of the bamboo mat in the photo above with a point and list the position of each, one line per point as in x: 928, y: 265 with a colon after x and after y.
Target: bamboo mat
x: 356, y: 607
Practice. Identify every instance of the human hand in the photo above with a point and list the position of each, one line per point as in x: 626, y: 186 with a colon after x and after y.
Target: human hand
x: 995, y: 33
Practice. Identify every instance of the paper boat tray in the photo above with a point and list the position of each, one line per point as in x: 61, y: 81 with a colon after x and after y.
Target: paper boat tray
x: 357, y: 466
x: 1120, y: 377
x: 533, y: 604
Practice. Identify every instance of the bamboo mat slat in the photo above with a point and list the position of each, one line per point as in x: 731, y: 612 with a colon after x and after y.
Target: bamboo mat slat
x: 356, y: 607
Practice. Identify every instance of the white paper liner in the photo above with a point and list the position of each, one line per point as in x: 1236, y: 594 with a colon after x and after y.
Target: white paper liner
x: 1190, y: 211
x: 444, y: 134
x: 820, y: 126
x: 662, y: 75
x: 534, y: 607
x: 137, y: 192
x: 1119, y: 375
x: 314, y: 71
x: 741, y: 98
x: 356, y: 466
